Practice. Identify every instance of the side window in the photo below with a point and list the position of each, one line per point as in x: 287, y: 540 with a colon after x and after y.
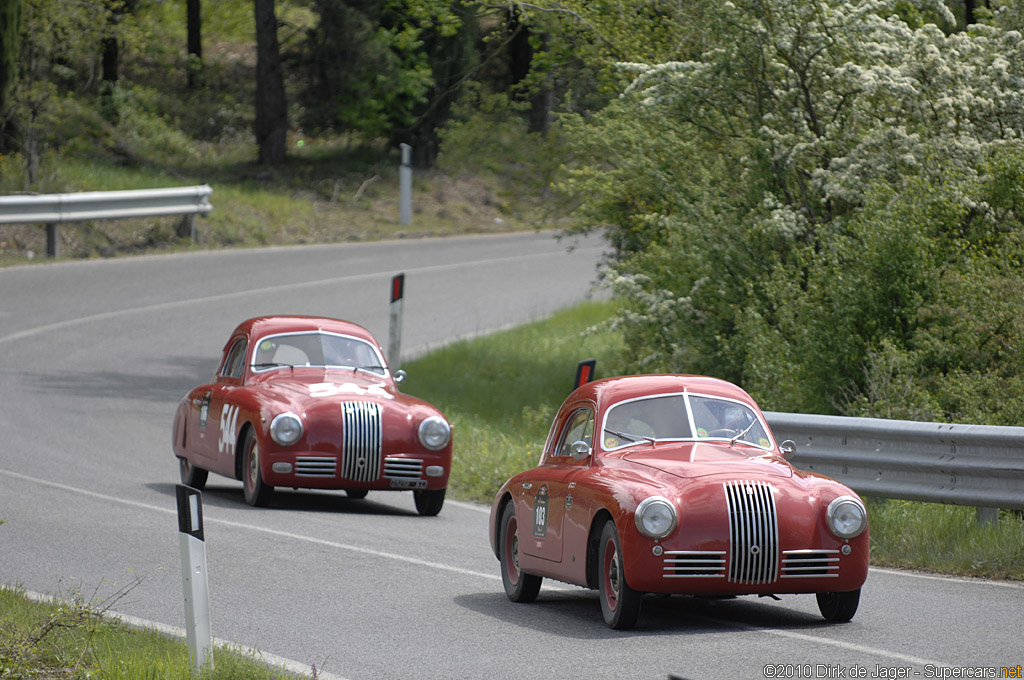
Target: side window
x: 579, y: 427
x: 235, y: 361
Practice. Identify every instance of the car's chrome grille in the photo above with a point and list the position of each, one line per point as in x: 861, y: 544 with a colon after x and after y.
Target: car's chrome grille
x: 810, y: 563
x: 694, y: 564
x: 361, y: 444
x: 753, y: 532
x: 315, y: 466
x: 403, y: 468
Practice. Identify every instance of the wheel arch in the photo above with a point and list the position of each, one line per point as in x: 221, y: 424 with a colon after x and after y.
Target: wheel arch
x: 243, y: 431
x: 601, y: 517
x: 496, y: 531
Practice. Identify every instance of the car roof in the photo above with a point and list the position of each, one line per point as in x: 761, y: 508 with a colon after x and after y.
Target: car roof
x: 613, y: 390
x: 262, y: 326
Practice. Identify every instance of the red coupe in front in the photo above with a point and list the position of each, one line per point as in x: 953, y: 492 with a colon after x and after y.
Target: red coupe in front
x: 309, y: 402
x: 674, y: 484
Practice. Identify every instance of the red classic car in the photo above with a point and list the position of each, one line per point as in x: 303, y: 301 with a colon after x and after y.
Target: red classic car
x: 675, y: 484
x: 308, y: 402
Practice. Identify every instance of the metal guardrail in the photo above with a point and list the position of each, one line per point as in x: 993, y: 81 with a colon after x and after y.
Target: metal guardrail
x: 55, y: 209
x: 977, y: 465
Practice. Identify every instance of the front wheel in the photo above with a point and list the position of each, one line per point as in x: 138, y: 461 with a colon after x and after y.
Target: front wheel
x: 620, y: 604
x: 519, y: 586
x: 838, y: 607
x: 356, y: 494
x: 428, y: 503
x: 192, y: 475
x: 257, y: 492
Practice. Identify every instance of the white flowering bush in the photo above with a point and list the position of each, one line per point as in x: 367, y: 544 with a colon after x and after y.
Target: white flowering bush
x: 818, y: 204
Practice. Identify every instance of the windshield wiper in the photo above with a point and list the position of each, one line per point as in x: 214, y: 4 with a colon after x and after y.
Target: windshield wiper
x: 274, y: 364
x: 632, y: 437
x: 745, y: 431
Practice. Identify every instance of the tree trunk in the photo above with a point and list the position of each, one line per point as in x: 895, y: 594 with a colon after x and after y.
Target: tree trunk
x: 271, y: 108
x: 194, y: 28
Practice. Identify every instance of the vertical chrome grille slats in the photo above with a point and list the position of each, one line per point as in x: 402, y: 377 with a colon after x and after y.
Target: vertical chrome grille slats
x: 361, y: 441
x: 753, y: 532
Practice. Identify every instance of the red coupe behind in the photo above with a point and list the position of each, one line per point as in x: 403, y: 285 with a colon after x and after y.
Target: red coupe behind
x: 309, y: 402
x: 675, y: 484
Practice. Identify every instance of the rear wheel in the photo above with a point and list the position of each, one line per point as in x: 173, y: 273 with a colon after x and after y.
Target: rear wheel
x: 620, y: 604
x: 428, y: 503
x: 838, y: 607
x: 257, y: 492
x: 192, y: 475
x: 519, y: 586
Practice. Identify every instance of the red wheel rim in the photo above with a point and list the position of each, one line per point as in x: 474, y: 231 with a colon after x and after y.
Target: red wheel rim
x: 612, y: 574
x: 512, y: 551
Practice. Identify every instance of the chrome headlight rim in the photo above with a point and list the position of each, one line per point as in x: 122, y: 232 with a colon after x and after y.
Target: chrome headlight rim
x: 286, y: 428
x: 655, y: 504
x: 833, y: 515
x: 434, y: 433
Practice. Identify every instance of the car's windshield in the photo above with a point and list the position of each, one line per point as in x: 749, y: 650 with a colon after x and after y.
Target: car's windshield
x: 678, y: 417
x: 316, y: 349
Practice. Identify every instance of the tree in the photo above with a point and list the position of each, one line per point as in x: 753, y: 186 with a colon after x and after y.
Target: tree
x: 194, y: 31
x: 10, y: 25
x: 271, y: 108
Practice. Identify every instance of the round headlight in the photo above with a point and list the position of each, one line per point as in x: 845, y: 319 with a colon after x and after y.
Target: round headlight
x: 286, y: 428
x: 847, y: 517
x: 655, y: 517
x: 435, y: 433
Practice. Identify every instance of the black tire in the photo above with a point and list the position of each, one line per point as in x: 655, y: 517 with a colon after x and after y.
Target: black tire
x: 519, y: 586
x: 356, y: 494
x: 838, y: 607
x: 257, y: 492
x: 620, y: 604
x: 428, y: 503
x: 192, y: 475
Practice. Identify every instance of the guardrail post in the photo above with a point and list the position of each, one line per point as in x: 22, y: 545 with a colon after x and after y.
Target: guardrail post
x: 988, y: 516
x: 52, y: 240
x: 194, y: 578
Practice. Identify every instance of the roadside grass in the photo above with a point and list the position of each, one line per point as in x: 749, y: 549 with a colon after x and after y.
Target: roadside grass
x: 69, y: 639
x: 501, y: 392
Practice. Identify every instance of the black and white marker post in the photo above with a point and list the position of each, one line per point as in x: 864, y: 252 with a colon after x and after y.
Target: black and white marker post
x: 395, y: 330
x: 405, y: 185
x: 194, y: 578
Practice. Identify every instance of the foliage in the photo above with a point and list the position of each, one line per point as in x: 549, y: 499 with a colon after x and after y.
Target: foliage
x: 818, y: 206
x: 382, y: 68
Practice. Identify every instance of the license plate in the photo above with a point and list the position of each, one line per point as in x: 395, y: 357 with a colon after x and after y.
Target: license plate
x: 408, y: 484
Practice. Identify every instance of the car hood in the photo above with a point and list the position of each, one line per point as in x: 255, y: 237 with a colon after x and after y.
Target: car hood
x: 302, y: 385
x: 702, y: 459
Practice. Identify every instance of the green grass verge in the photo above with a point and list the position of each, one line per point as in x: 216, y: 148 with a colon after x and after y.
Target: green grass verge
x: 70, y: 639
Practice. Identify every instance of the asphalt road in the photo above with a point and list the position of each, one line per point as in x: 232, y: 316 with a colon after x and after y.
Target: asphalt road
x: 95, y: 355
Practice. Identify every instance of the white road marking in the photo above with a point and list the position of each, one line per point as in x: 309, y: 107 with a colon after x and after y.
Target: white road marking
x: 803, y: 637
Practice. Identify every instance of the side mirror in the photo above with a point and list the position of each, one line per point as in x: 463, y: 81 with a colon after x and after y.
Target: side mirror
x: 579, y: 450
x: 400, y: 376
x: 788, y: 448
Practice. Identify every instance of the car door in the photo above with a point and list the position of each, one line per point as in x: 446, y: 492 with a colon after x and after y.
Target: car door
x: 215, y: 418
x: 548, y: 494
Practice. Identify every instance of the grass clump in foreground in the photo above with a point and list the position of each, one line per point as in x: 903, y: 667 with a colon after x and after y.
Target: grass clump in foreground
x: 501, y: 393
x: 71, y: 639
